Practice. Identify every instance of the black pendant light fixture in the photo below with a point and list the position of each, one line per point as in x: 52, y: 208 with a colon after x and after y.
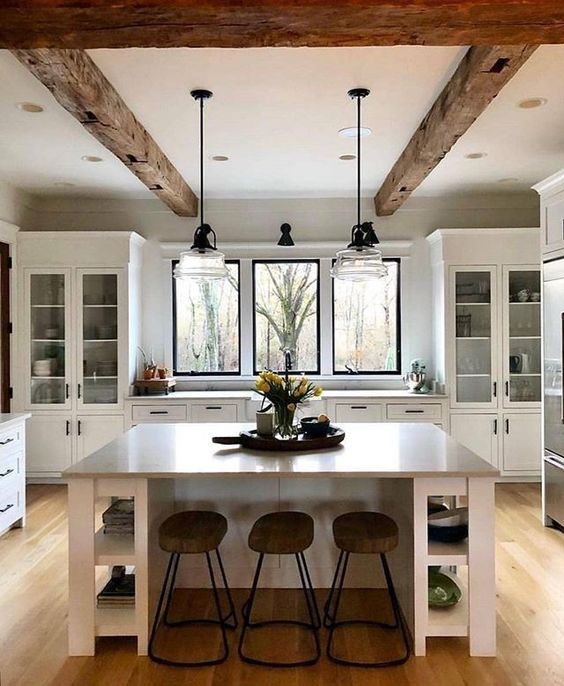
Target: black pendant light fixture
x: 203, y: 261
x: 360, y: 260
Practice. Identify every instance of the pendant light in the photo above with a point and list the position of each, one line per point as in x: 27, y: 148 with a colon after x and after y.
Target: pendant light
x: 203, y: 261
x: 360, y: 260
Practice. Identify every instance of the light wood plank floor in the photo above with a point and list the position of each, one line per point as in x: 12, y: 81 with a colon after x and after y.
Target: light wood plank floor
x: 530, y: 608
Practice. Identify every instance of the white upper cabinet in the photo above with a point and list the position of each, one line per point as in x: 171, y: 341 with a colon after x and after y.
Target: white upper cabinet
x: 473, y: 326
x: 551, y: 193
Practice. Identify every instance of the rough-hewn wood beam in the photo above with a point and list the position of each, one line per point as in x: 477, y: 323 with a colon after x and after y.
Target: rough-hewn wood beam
x: 257, y: 23
x: 482, y: 73
x: 81, y: 88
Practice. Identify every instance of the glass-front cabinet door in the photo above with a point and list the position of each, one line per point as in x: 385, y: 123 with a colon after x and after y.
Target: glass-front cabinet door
x: 474, y: 363
x: 522, y: 341
x: 48, y: 338
x: 98, y: 333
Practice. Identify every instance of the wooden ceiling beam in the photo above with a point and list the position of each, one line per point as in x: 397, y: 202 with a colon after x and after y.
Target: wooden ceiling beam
x: 82, y: 89
x: 480, y: 76
x: 83, y: 24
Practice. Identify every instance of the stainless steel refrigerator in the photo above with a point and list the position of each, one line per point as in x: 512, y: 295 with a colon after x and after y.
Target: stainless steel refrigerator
x: 553, y: 339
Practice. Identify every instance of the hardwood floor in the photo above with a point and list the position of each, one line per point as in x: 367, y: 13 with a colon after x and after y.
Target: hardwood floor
x: 530, y: 608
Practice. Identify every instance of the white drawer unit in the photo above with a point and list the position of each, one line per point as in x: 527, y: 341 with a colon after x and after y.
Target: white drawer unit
x: 164, y: 412
x: 214, y: 412
x: 10, y: 507
x: 358, y: 412
x: 10, y: 440
x: 415, y: 412
x: 10, y: 470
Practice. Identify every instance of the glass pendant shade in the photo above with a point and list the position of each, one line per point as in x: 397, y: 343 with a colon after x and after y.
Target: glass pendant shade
x: 202, y: 265
x: 359, y: 264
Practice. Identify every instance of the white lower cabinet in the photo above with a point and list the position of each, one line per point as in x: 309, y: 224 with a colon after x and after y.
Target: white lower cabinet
x: 56, y: 441
x: 95, y: 431
x: 521, y: 443
x: 49, y: 443
x: 359, y: 412
x: 213, y: 412
x: 478, y: 433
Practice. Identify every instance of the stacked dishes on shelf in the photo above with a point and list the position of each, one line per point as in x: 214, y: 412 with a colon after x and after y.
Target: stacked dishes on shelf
x: 446, y: 526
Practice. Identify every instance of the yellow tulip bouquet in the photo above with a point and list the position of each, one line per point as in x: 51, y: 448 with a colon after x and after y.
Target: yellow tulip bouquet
x: 285, y: 395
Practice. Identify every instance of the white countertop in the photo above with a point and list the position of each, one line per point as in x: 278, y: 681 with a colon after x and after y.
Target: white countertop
x: 369, y: 450
x: 8, y: 418
x: 251, y: 395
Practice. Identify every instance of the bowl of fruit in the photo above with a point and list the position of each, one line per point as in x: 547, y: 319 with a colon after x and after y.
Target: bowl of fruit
x: 316, y: 427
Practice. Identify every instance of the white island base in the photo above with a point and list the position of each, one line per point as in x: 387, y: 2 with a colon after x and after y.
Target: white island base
x: 391, y: 468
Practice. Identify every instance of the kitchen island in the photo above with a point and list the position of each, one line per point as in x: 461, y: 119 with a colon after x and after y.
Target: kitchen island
x: 389, y: 467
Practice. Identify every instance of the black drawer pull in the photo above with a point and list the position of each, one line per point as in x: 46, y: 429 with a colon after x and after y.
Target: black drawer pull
x: 6, y: 508
x: 158, y: 412
x: 414, y: 411
x: 8, y: 440
x: 9, y: 471
x: 214, y: 407
x: 359, y: 407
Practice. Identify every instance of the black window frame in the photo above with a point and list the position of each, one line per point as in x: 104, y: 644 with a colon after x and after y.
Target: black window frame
x: 175, y: 371
x: 385, y: 372
x: 316, y: 261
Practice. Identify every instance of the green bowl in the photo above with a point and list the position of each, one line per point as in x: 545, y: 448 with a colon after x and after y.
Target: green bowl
x: 443, y: 591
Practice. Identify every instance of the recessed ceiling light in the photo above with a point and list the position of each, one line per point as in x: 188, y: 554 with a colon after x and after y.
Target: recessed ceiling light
x: 509, y: 179
x: 91, y: 158
x: 475, y: 155
x: 350, y: 132
x: 29, y: 107
x: 531, y: 103
x: 64, y: 184
x: 220, y: 158
x: 347, y: 157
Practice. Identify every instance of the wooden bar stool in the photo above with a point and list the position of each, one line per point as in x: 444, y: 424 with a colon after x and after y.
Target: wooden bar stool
x: 191, y: 533
x: 282, y: 533
x: 364, y: 533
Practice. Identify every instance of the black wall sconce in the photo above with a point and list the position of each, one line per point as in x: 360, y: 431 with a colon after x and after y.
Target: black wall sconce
x: 285, y: 238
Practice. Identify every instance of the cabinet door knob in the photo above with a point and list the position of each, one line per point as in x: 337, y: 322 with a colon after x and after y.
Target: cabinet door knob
x: 78, y: 391
x: 68, y: 427
x: 495, y: 427
x: 507, y: 426
x: 507, y: 388
x: 495, y: 389
x: 9, y: 471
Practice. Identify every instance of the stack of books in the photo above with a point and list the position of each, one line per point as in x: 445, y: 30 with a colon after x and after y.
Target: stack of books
x: 119, y: 518
x: 119, y: 591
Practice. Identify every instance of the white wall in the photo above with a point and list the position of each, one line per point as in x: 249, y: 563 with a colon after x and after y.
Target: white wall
x: 259, y: 220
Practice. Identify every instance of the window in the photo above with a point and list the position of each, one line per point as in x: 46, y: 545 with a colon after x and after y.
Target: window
x: 206, y: 325
x: 366, y: 325
x: 286, y: 314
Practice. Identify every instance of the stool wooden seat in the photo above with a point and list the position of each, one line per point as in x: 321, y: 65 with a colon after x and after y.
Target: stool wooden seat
x: 191, y: 532
x: 365, y: 532
x: 282, y: 533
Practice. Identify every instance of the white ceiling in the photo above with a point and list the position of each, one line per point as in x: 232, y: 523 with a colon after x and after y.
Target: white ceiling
x: 276, y: 113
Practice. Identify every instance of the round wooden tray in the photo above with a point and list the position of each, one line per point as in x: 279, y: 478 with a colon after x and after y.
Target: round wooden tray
x: 250, y: 439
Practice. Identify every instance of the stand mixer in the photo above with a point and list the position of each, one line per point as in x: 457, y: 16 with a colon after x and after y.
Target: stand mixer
x: 415, y: 379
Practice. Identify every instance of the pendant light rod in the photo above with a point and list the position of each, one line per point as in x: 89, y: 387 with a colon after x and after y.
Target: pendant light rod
x: 357, y: 94
x: 200, y: 94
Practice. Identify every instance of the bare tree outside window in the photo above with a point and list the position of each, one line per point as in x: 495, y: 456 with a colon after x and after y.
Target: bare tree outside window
x: 207, y: 325
x: 286, y: 314
x: 366, y: 327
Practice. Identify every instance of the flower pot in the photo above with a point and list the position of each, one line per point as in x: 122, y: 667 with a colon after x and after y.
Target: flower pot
x: 148, y: 374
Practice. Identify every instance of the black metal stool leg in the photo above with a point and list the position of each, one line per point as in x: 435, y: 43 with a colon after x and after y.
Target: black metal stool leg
x: 171, y: 591
x: 159, y: 606
x: 232, y: 612
x: 311, y: 592
x: 327, y: 619
x: 219, y: 616
x: 248, y: 606
x: 400, y: 621
x: 333, y: 619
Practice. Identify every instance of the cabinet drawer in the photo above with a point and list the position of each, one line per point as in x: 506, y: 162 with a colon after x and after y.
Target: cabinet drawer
x: 358, y: 412
x: 10, y: 441
x: 214, y: 412
x: 413, y: 411
x: 10, y: 470
x: 159, y: 413
x: 10, y: 507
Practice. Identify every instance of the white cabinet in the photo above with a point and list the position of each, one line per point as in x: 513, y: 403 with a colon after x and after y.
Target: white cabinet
x: 551, y: 193
x: 12, y: 472
x: 487, y: 330
x: 477, y: 432
x: 95, y: 431
x: 77, y: 341
x: 213, y: 412
x: 521, y: 442
x: 49, y: 443
x: 359, y: 412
